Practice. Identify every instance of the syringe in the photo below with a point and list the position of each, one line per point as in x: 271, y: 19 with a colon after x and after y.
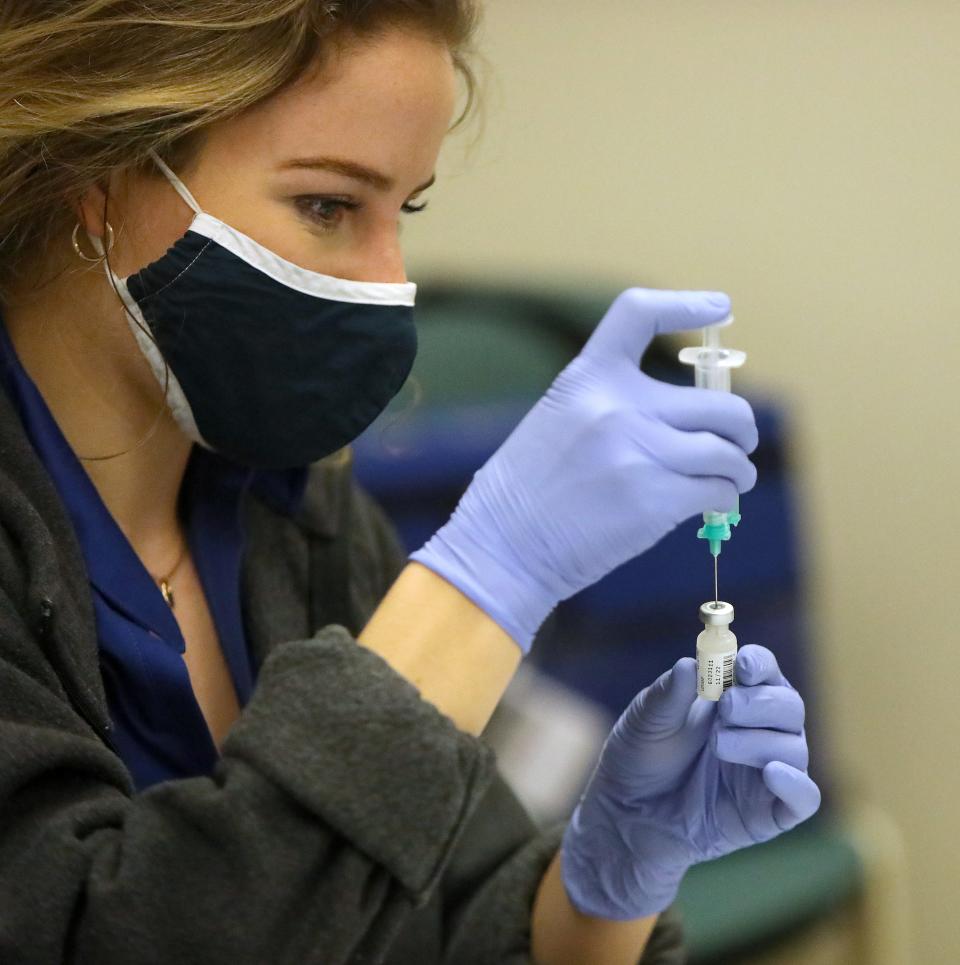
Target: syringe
x: 713, y: 364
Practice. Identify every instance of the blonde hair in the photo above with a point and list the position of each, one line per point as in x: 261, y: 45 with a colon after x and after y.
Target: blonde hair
x: 91, y: 86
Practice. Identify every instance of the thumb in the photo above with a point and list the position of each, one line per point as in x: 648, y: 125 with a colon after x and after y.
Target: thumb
x: 641, y: 313
x: 663, y: 707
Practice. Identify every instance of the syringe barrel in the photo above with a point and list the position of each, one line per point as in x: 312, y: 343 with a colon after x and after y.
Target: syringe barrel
x: 712, y: 377
x: 713, y: 365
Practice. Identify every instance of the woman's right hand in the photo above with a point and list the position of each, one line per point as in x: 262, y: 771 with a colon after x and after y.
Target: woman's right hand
x: 606, y: 464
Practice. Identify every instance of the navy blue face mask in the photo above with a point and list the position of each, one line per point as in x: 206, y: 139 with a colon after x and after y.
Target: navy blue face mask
x: 265, y: 362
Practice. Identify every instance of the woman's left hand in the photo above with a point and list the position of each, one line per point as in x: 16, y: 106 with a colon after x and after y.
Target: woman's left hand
x: 682, y: 780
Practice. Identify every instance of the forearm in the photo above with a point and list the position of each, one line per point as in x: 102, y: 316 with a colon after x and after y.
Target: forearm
x: 459, y: 659
x: 561, y: 935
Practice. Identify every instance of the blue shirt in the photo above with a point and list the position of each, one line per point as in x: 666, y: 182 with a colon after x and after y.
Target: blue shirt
x: 158, y: 728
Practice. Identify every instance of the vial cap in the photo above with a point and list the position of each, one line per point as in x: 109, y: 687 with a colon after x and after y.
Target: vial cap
x: 714, y: 614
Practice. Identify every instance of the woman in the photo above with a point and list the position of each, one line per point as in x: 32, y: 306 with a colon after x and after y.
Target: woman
x: 235, y: 726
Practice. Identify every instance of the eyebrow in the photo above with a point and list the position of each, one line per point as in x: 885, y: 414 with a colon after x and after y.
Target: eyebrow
x: 351, y: 169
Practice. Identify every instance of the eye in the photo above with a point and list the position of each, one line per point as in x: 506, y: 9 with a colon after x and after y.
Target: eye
x: 328, y: 212
x: 325, y: 211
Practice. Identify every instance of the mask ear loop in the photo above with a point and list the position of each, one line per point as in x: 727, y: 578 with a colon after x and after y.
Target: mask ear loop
x: 177, y: 184
x: 184, y: 193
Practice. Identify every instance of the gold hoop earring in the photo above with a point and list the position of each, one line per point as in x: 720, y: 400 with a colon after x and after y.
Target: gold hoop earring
x: 76, y: 243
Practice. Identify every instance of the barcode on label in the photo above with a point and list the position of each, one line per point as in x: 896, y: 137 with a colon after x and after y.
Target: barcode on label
x: 728, y: 662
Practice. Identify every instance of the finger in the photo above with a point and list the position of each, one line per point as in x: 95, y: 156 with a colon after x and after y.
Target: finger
x: 666, y: 703
x: 776, y: 708
x: 689, y: 495
x: 693, y: 410
x: 694, y: 453
x: 757, y: 665
x: 641, y: 313
x: 798, y: 797
x: 757, y: 747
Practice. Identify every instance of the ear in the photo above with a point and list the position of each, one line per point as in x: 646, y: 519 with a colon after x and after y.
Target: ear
x: 91, y: 211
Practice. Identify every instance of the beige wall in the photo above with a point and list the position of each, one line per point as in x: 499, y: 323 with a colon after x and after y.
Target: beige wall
x: 804, y: 157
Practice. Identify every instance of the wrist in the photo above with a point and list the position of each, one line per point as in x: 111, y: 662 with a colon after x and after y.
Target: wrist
x: 490, y: 577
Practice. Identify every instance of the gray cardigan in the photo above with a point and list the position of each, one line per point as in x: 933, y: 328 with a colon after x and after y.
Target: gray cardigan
x: 348, y: 821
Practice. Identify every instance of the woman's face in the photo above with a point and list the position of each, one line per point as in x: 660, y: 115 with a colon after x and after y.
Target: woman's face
x: 321, y: 173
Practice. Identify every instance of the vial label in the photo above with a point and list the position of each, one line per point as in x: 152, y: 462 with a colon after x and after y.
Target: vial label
x: 715, y: 674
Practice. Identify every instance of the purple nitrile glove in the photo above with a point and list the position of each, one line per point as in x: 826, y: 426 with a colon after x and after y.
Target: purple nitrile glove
x: 606, y: 464
x: 683, y: 780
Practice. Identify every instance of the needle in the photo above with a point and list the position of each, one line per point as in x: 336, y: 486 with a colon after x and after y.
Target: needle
x: 716, y: 582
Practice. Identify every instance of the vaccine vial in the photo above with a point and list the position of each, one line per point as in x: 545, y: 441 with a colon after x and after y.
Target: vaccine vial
x: 716, y: 650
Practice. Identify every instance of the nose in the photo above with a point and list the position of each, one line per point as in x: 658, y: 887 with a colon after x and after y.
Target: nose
x: 389, y: 262
x: 374, y: 256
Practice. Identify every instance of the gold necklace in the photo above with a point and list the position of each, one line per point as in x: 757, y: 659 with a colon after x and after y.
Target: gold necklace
x: 164, y: 582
